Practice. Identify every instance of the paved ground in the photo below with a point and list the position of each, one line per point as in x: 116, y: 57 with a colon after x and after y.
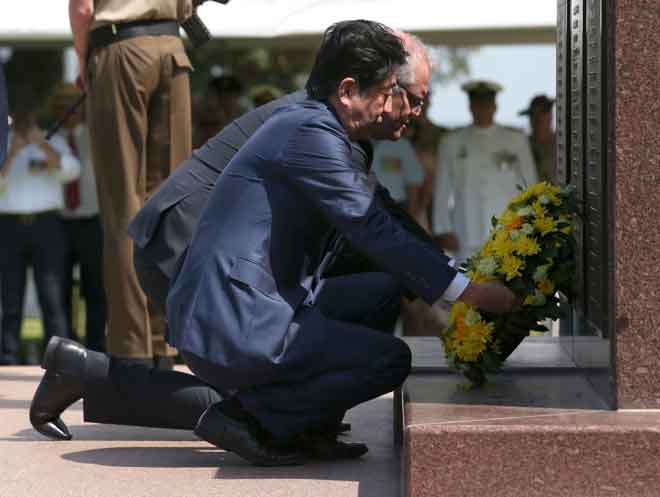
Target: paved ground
x: 105, y: 460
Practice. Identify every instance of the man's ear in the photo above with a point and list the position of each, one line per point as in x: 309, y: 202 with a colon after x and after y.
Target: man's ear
x: 347, y: 89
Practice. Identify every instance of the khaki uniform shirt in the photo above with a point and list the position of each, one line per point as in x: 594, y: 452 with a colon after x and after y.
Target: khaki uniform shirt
x: 544, y: 157
x: 118, y: 11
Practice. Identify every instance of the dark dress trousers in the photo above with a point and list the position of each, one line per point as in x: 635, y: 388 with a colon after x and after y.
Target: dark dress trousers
x: 245, y: 297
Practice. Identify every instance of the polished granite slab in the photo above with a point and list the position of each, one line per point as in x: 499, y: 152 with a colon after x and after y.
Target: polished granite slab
x: 537, y: 429
x: 533, y: 352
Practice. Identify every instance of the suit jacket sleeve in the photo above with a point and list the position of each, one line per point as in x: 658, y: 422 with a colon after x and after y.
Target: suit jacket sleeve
x: 317, y: 163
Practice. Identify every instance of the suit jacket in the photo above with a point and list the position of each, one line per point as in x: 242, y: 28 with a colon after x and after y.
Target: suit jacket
x: 164, y: 226
x: 255, y: 263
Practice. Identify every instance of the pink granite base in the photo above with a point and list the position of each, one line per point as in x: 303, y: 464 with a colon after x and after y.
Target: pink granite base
x: 635, y: 163
x: 586, y: 456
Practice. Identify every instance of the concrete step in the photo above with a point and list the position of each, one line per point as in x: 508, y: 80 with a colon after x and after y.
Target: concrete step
x: 541, y: 432
x: 110, y: 461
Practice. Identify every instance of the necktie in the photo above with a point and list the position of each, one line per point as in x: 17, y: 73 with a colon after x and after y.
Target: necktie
x: 72, y: 189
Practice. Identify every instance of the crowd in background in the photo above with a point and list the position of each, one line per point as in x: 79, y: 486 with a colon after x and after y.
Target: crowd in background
x: 49, y: 211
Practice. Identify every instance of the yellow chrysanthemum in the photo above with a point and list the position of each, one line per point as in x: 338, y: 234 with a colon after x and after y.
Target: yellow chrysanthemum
x: 458, y: 311
x: 539, y: 210
x: 526, y: 246
x: 529, y: 300
x: 538, y: 189
x: 502, y: 245
x: 510, y: 266
x: 546, y: 287
x: 521, y: 198
x: 488, y: 250
x: 474, y: 341
x: 477, y: 277
x: 544, y: 225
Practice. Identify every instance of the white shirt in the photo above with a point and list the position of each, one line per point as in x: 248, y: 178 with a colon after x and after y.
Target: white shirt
x: 396, y: 166
x: 477, y: 173
x: 30, y: 190
x: 89, y: 203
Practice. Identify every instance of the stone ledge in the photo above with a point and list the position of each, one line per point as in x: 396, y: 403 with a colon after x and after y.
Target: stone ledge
x: 564, y: 455
x: 524, y: 435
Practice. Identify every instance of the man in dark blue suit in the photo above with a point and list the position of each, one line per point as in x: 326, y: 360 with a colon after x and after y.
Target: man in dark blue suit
x: 256, y: 328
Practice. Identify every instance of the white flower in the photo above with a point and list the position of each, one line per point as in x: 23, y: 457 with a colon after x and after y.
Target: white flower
x: 515, y: 234
x: 525, y: 211
x: 527, y: 229
x: 472, y: 317
x: 487, y: 266
x: 541, y: 273
x: 544, y: 199
x: 539, y: 298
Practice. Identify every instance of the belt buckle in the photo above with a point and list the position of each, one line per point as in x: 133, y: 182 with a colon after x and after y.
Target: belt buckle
x: 113, y: 28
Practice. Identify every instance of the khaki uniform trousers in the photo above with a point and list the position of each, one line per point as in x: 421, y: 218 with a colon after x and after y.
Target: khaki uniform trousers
x: 138, y: 111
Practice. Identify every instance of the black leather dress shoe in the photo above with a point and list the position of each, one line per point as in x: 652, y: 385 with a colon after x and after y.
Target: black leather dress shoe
x: 327, y: 447
x: 61, y: 386
x: 237, y: 436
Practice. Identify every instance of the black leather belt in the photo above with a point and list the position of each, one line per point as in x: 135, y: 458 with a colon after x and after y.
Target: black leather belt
x: 110, y: 33
x: 29, y: 219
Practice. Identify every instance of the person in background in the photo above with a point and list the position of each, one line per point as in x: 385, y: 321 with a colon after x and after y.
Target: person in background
x: 479, y: 167
x: 30, y: 200
x: 542, y: 137
x: 262, y: 94
x: 397, y: 168
x: 81, y: 222
x: 425, y: 137
x: 138, y: 114
x: 219, y: 106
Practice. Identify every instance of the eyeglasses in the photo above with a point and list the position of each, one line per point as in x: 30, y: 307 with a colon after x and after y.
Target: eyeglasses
x: 416, y: 103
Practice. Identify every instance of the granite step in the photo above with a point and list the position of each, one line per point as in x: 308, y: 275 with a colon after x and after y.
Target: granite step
x: 531, y: 432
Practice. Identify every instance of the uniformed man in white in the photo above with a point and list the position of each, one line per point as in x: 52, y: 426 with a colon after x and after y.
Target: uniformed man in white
x: 477, y: 172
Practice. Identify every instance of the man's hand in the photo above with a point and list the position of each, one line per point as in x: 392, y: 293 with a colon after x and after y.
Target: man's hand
x: 491, y: 296
x: 447, y: 241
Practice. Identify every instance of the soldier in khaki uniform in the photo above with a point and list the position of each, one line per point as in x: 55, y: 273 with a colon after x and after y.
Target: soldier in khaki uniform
x: 135, y: 70
x: 542, y: 140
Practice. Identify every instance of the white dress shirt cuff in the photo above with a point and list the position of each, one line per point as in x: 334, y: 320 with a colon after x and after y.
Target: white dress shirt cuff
x: 457, y: 285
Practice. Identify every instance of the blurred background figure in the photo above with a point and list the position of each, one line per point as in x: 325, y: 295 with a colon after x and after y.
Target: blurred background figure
x: 417, y: 317
x: 30, y: 200
x: 479, y: 167
x: 221, y: 103
x: 81, y: 222
x: 4, y: 117
x: 398, y: 169
x: 542, y: 136
x: 425, y: 137
x: 262, y: 94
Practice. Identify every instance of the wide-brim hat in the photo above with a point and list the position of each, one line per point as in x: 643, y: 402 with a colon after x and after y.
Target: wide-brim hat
x: 538, y: 103
x: 481, y: 87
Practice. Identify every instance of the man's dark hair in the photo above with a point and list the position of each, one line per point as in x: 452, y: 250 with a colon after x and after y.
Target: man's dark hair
x: 364, y: 50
